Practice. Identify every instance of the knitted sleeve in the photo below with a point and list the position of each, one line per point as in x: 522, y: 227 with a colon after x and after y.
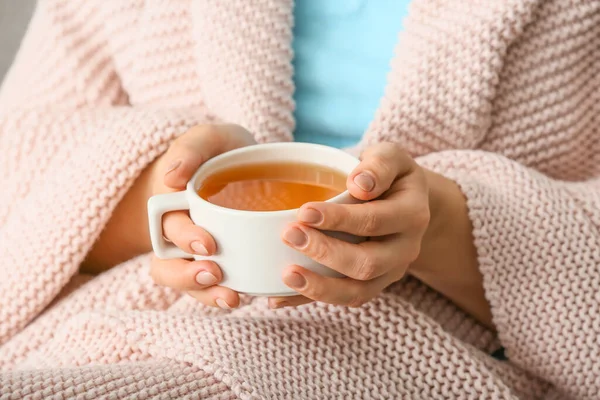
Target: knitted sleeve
x: 167, y: 380
x: 538, y: 243
x: 70, y: 147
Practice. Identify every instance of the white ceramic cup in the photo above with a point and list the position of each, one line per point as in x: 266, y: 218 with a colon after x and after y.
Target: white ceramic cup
x: 250, y: 251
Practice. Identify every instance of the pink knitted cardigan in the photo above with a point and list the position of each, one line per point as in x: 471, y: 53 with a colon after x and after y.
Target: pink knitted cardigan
x: 502, y: 96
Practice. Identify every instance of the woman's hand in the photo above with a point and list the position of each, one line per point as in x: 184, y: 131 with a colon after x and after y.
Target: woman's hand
x: 126, y: 233
x: 171, y: 173
x: 416, y: 222
x: 394, y: 219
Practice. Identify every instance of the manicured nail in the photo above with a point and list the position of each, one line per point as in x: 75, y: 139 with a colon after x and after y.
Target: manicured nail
x: 281, y: 304
x: 295, y: 280
x: 310, y: 216
x: 223, y: 304
x: 199, y: 248
x: 206, y: 278
x: 364, y: 181
x: 295, y: 237
x: 173, y: 166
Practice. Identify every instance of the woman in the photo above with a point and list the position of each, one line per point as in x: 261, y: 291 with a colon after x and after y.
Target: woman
x: 497, y: 184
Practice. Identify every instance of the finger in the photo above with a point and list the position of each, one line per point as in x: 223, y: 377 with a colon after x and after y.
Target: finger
x: 338, y: 291
x: 381, y: 164
x: 185, y: 275
x: 198, y: 145
x: 179, y: 229
x: 217, y: 296
x: 364, y: 261
x: 290, y: 301
x: 400, y: 212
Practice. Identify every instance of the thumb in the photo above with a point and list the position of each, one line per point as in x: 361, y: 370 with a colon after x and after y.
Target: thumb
x: 380, y: 166
x: 198, y: 145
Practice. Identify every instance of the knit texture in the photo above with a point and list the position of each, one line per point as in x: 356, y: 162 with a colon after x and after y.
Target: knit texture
x: 502, y: 96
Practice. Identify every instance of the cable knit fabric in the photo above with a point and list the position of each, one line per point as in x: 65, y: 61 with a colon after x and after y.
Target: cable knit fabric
x: 501, y: 96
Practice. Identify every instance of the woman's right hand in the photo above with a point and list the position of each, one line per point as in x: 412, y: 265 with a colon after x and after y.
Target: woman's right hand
x: 170, y: 173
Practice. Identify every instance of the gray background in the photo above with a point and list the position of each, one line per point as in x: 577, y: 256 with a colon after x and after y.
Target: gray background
x: 14, y: 17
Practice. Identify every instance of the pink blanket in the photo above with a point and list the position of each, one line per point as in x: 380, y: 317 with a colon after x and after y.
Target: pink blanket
x: 503, y: 97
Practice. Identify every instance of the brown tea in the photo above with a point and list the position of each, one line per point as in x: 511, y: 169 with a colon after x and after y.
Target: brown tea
x: 272, y: 186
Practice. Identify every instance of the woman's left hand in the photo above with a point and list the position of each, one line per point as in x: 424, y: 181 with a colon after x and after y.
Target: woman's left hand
x: 394, y: 217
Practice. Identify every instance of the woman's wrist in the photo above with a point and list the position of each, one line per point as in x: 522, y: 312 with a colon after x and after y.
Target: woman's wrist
x: 448, y: 258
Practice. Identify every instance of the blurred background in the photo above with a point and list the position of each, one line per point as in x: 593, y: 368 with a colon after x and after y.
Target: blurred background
x: 14, y: 16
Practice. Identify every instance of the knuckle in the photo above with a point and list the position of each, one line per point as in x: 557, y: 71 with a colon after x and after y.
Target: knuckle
x: 336, y: 217
x: 234, y: 128
x: 230, y: 127
x: 370, y: 223
x: 314, y: 291
x: 180, y: 150
x: 319, y: 250
x: 185, y: 142
x: 176, y: 144
x: 398, y: 149
x: 168, y: 220
x: 381, y: 165
x: 421, y: 217
x: 365, y: 268
x: 412, y: 253
x: 235, y: 133
x: 206, y: 129
x: 174, y: 236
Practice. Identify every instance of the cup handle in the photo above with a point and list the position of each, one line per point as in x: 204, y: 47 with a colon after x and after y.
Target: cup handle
x: 158, y: 206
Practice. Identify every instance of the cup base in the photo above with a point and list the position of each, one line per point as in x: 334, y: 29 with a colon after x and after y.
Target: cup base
x: 280, y: 294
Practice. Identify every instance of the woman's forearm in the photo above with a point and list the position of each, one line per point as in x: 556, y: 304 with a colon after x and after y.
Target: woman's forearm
x: 448, y: 258
x: 126, y: 234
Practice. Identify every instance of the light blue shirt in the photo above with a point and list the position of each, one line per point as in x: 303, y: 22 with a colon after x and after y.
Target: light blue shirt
x: 343, y: 50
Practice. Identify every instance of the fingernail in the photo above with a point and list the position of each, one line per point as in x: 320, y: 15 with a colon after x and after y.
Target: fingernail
x: 295, y: 280
x: 295, y: 237
x: 281, y: 304
x: 223, y: 304
x: 173, y: 166
x: 199, y: 248
x: 206, y: 278
x: 364, y: 181
x: 310, y: 216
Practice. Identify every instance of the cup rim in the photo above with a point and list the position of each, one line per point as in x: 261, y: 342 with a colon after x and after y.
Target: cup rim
x: 191, y: 190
